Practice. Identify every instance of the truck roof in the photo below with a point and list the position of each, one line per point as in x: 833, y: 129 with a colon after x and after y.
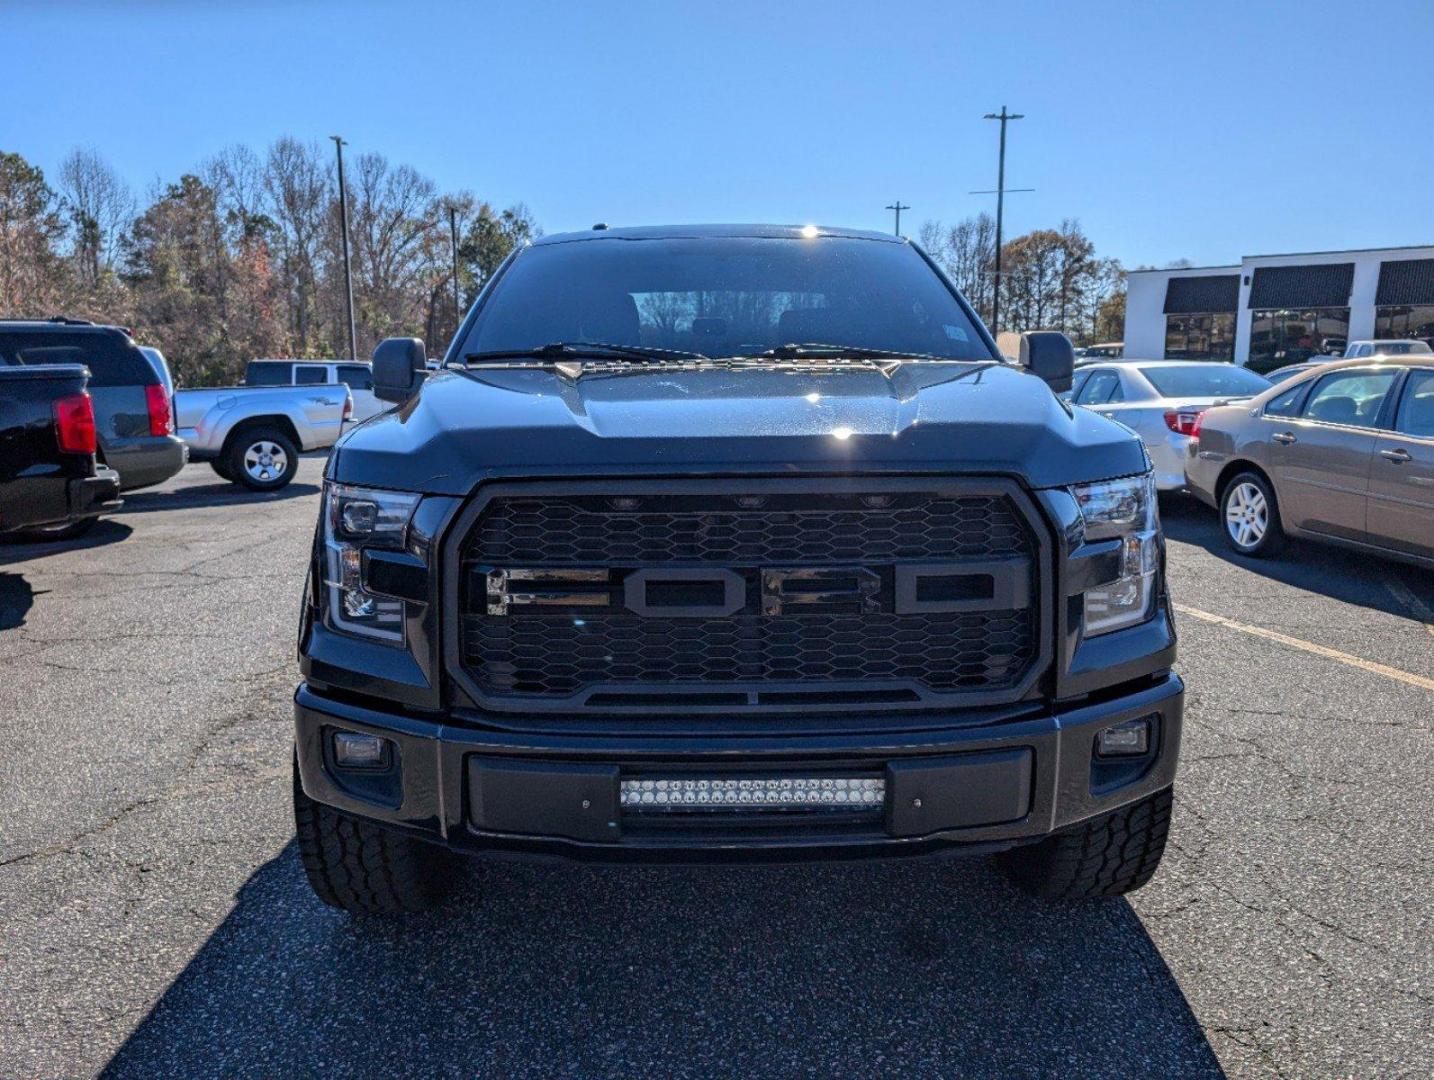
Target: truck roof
x: 674, y: 232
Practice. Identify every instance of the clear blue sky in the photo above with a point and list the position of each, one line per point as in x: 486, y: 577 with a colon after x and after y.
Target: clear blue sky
x: 1201, y: 131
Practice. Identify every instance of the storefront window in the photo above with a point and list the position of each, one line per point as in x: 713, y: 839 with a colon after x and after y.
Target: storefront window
x: 1288, y: 336
x: 1413, y: 321
x: 1200, y: 337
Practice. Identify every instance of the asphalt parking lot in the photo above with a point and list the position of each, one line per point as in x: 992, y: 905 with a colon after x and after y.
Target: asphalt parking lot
x: 154, y: 920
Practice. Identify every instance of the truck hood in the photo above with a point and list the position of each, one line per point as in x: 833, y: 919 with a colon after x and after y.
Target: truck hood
x: 465, y: 427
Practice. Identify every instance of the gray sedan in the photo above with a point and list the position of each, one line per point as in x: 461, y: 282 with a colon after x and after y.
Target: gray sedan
x: 1161, y: 401
x: 1342, y: 454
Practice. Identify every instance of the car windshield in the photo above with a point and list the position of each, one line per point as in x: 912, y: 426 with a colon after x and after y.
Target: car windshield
x: 1400, y: 348
x: 1205, y: 380
x: 724, y: 296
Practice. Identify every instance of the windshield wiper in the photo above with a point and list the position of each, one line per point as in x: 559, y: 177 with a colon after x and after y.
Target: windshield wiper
x: 583, y: 350
x: 817, y: 350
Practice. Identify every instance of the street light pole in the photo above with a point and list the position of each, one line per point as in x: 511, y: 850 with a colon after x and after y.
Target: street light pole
x: 453, y: 242
x: 898, y: 207
x: 339, y: 145
x: 1002, y: 116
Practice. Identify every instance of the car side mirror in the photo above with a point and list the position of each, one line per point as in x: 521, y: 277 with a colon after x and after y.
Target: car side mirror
x: 1049, y: 356
x: 399, y: 368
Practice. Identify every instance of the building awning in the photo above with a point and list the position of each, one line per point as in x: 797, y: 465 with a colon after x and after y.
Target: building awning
x: 1405, y: 281
x: 1210, y: 294
x: 1316, y: 286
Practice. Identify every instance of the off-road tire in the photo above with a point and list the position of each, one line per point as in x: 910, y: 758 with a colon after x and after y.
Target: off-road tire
x: 1272, y: 540
x: 239, y: 445
x: 1110, y: 855
x: 362, y: 868
x: 221, y: 466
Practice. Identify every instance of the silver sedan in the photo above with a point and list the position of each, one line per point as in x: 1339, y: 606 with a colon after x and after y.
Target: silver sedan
x: 1161, y: 401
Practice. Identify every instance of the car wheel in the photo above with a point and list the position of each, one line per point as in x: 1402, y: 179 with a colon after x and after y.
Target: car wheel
x: 1109, y: 855
x: 221, y: 466
x: 1250, y: 516
x: 360, y: 867
x: 262, y: 459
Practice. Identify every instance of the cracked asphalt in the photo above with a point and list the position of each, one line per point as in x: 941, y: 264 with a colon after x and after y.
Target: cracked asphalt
x: 154, y: 921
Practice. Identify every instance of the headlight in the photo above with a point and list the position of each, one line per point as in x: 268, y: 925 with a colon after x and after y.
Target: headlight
x: 1123, y: 510
x: 355, y: 520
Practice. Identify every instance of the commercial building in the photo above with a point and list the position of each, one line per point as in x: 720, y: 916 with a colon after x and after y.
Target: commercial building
x: 1272, y: 310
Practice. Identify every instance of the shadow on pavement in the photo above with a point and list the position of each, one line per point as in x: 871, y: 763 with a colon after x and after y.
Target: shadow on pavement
x: 16, y: 598
x: 105, y: 531
x: 1351, y: 577
x: 222, y: 493
x: 578, y: 971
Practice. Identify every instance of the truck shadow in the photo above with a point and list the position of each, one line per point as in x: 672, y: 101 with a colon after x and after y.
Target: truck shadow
x: 16, y: 548
x: 1350, y: 577
x: 221, y: 493
x: 576, y: 971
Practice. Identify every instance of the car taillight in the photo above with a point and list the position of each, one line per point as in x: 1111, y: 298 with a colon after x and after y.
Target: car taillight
x: 1195, y: 427
x: 75, y: 424
x: 348, y: 407
x: 161, y: 416
x: 1184, y: 421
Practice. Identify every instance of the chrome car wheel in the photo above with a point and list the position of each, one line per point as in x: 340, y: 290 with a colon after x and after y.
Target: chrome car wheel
x: 265, y: 461
x: 1247, y: 515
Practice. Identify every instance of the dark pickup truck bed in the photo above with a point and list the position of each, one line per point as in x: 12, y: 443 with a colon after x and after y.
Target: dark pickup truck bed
x: 48, y: 474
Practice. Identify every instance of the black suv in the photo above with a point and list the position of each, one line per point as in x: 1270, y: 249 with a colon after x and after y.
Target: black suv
x: 134, y: 413
x: 733, y: 543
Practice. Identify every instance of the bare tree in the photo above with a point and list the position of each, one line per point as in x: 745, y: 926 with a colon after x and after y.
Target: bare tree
x: 300, y: 195
x: 100, y: 206
x: 967, y: 252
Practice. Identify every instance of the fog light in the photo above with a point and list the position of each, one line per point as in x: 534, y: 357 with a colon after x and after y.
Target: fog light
x: 1129, y: 739
x: 355, y: 751
x: 704, y: 793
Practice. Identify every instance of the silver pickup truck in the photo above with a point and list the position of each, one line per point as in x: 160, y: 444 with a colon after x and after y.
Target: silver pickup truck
x: 252, y: 435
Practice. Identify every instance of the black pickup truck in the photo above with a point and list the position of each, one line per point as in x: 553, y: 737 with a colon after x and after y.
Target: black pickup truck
x: 49, y: 482
x: 733, y: 543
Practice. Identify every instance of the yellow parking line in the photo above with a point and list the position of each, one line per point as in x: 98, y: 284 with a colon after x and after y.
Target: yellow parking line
x: 1310, y: 647
x: 1405, y: 596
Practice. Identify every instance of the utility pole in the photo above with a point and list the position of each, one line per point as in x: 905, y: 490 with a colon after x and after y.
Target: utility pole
x: 339, y: 145
x: 453, y: 241
x: 1000, y: 194
x: 898, y: 207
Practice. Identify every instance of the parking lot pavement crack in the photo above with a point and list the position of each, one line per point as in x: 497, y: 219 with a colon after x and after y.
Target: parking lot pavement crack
x: 70, y: 845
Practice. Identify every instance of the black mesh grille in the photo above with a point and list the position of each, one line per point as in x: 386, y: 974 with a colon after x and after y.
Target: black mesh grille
x: 561, y: 654
x: 786, y: 530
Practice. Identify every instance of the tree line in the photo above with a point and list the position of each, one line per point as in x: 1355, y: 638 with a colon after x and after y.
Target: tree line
x: 1051, y: 279
x: 242, y: 257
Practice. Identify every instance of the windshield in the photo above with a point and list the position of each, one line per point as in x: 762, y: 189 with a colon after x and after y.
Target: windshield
x: 1400, y: 348
x: 725, y: 296
x: 1205, y: 380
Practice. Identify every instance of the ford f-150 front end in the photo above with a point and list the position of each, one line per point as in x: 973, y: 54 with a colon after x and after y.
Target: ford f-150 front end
x: 733, y: 543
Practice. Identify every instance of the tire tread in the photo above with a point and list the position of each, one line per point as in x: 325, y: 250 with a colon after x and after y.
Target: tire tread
x: 1110, y: 855
x: 361, y: 867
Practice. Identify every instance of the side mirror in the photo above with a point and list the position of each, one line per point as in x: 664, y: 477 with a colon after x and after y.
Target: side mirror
x: 399, y: 368
x: 1048, y: 355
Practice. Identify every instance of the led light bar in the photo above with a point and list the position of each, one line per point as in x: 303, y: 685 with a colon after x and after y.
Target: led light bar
x: 705, y: 793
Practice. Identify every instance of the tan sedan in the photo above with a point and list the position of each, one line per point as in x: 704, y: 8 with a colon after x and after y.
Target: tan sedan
x: 1343, y: 453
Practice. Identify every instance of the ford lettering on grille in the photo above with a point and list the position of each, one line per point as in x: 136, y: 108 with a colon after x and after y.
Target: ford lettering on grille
x: 703, y: 593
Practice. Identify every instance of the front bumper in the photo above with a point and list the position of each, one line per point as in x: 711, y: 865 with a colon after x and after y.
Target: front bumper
x: 553, y: 793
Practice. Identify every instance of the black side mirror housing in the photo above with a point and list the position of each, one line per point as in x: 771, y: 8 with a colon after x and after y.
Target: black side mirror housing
x: 1049, y: 356
x: 399, y: 368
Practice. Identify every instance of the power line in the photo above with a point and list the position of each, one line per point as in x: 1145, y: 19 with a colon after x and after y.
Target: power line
x: 1000, y: 193
x: 898, y: 206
